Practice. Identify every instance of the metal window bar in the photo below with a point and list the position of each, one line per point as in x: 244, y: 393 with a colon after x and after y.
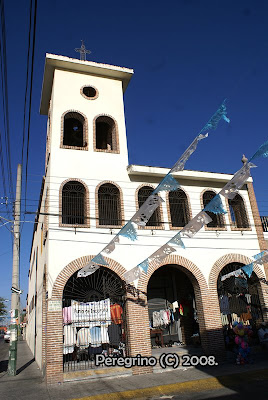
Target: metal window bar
x: 143, y: 194
x: 264, y: 221
x: 238, y: 213
x: 109, y: 205
x: 217, y: 219
x: 73, y: 204
x: 179, y: 208
x: 93, y: 319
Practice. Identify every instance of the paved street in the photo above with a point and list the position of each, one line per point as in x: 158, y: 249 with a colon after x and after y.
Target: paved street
x: 226, y: 382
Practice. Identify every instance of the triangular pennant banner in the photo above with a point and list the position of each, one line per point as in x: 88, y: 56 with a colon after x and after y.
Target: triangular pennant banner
x: 215, y: 206
x: 215, y: 119
x: 89, y: 269
x: 128, y: 231
x: 248, y: 269
x: 98, y: 259
x: 168, y: 184
x: 177, y: 240
x: 132, y: 275
x: 261, y: 152
x: 144, y: 265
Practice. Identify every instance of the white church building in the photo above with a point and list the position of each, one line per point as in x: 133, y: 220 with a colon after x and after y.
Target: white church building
x: 89, y: 191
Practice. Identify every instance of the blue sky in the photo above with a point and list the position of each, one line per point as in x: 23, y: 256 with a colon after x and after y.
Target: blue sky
x: 187, y: 55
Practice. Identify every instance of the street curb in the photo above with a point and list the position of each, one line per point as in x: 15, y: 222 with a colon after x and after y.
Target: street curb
x: 189, y: 386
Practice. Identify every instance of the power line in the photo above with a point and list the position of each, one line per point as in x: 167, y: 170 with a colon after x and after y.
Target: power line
x: 5, y: 98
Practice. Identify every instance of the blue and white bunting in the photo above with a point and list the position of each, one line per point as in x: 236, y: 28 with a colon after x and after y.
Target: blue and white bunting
x: 129, y: 231
x: 261, y: 152
x: 168, y: 183
x: 221, y: 113
x: 248, y: 269
x: 215, y: 206
x: 98, y: 259
x: 144, y: 265
x: 177, y: 240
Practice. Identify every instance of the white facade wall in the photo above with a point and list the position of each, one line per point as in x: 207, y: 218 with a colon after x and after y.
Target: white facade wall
x: 65, y: 244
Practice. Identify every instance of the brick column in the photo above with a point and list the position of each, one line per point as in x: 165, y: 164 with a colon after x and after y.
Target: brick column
x: 138, y: 330
x: 54, y: 347
x: 257, y: 221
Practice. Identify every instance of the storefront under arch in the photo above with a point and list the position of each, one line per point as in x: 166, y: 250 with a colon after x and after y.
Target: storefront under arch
x: 93, y: 319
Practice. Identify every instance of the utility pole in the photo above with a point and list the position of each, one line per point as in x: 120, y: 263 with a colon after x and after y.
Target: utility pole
x: 15, y: 295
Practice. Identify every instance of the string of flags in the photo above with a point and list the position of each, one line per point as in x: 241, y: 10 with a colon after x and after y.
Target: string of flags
x: 215, y: 206
x: 142, y: 216
x: 169, y: 183
x: 260, y: 258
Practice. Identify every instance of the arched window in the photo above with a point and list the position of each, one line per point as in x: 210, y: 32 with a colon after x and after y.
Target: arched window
x: 179, y: 208
x: 217, y: 219
x: 238, y: 213
x: 105, y: 134
x: 109, y: 205
x: 73, y: 203
x: 143, y: 194
x: 74, y: 130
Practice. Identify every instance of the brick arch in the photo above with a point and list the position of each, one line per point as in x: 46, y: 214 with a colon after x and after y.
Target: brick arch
x: 75, y: 266
x: 207, y: 305
x: 160, y: 208
x: 53, y: 338
x: 97, y: 204
x: 87, y: 210
x: 227, y: 259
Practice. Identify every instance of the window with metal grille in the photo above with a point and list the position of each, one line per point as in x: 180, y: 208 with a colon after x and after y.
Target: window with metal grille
x: 105, y: 131
x: 74, y: 130
x: 179, y: 208
x: 217, y: 219
x: 238, y: 213
x: 109, y: 204
x: 143, y: 194
x: 73, y: 203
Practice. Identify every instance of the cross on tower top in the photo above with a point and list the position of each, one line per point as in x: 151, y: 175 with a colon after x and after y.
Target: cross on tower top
x: 83, y: 51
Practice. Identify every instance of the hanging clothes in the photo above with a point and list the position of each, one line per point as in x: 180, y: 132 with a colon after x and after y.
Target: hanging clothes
x: 69, y: 338
x: 116, y: 313
x: 83, y: 337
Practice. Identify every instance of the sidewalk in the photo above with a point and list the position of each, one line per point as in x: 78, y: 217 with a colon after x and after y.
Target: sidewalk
x: 28, y: 384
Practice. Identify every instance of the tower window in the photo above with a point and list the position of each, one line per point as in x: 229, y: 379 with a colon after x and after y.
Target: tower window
x: 74, y: 130
x: 217, y: 219
x: 179, y: 208
x: 238, y: 213
x: 105, y: 134
x: 89, y: 92
x: 143, y: 194
x: 109, y: 205
x: 73, y: 203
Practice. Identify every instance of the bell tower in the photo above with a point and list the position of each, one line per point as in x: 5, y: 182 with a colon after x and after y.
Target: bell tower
x: 86, y: 123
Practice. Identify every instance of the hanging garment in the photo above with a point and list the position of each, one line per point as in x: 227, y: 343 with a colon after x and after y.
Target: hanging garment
x: 69, y: 338
x: 114, y: 332
x: 116, y: 313
x: 157, y: 320
x: 83, y: 337
x: 95, y: 334
x: 67, y: 315
x: 104, y: 334
x: 163, y: 316
x: 179, y: 330
x: 224, y: 305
